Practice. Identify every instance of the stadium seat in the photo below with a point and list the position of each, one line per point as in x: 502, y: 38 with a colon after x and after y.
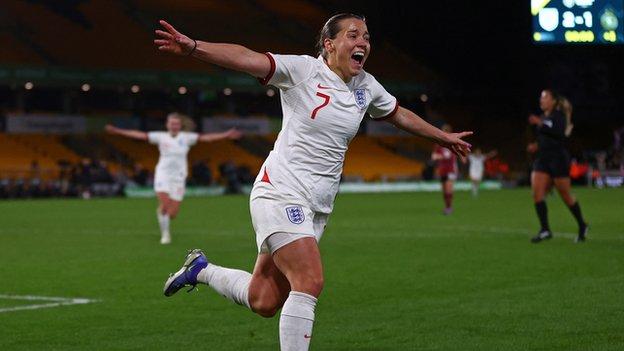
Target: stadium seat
x: 369, y: 161
x: 16, y: 158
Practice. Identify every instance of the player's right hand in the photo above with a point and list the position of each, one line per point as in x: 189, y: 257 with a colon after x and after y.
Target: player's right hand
x: 532, y: 148
x: 234, y: 134
x: 454, y: 142
x: 172, y: 41
x: 535, y: 120
x: 109, y: 128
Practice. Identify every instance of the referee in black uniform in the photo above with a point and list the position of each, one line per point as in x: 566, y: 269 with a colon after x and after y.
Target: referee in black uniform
x: 552, y: 163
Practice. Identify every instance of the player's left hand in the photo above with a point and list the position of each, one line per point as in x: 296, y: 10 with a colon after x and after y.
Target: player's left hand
x: 172, y: 41
x: 454, y: 142
x: 234, y: 134
x: 535, y: 120
x: 110, y: 129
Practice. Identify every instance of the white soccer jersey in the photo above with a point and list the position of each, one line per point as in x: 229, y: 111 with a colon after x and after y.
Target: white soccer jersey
x: 476, y: 166
x: 173, y: 150
x: 321, y: 115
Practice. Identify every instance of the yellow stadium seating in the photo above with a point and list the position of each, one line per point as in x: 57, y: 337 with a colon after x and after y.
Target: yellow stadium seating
x: 215, y: 153
x: 140, y: 151
x: 223, y: 151
x: 18, y: 152
x: 368, y: 160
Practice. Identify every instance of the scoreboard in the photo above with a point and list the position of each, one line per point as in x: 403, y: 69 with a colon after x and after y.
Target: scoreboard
x: 578, y: 21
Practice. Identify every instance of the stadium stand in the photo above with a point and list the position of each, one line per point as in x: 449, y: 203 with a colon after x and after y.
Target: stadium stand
x: 39, y: 36
x: 19, y: 53
x: 368, y: 160
x: 415, y: 148
x: 20, y: 151
x: 49, y: 146
x: 372, y: 159
x: 215, y: 154
x: 37, y: 30
x: 138, y: 151
x: 222, y: 151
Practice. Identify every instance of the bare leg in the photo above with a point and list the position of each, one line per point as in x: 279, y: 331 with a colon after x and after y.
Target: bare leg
x: 163, y: 202
x: 300, y: 261
x: 540, y: 182
x: 563, y: 188
x: 269, y: 288
x: 447, y: 192
x: 173, y: 208
x: 475, y: 187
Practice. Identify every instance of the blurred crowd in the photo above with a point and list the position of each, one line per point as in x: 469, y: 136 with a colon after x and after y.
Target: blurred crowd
x: 95, y: 178
x: 84, y: 179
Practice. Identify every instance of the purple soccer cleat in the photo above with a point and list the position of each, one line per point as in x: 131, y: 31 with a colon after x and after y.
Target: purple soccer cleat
x: 187, y: 275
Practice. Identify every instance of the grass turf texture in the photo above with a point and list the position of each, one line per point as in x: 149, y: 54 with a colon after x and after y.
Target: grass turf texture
x: 399, y: 275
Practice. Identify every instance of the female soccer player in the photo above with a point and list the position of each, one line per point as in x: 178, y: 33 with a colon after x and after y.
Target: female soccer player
x: 446, y: 161
x: 477, y: 165
x: 323, y: 101
x: 172, y: 168
x: 552, y: 163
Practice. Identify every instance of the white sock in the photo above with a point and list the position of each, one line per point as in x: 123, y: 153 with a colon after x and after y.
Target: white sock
x: 296, y: 320
x: 233, y: 284
x: 475, y: 189
x: 163, y: 222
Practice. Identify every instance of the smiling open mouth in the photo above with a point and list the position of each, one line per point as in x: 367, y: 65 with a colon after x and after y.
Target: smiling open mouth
x: 358, y: 57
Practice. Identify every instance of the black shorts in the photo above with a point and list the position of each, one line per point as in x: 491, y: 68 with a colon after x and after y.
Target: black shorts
x: 557, y: 166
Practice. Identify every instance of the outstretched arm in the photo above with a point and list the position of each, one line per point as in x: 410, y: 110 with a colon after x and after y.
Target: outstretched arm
x: 412, y: 123
x: 231, y: 56
x: 134, y: 134
x: 491, y: 154
x: 229, y: 134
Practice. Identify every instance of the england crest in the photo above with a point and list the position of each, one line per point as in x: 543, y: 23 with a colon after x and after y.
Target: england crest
x: 295, y: 214
x: 360, y: 98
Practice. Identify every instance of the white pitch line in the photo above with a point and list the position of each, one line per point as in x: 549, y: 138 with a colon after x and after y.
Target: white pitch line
x: 32, y: 297
x: 501, y: 230
x: 55, y: 302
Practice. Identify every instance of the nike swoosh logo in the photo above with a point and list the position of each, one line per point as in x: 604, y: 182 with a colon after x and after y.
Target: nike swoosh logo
x: 307, y: 336
x: 322, y: 87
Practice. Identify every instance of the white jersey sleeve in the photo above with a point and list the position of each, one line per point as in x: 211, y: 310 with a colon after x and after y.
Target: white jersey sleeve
x: 288, y: 71
x: 190, y: 138
x: 383, y: 104
x: 155, y: 137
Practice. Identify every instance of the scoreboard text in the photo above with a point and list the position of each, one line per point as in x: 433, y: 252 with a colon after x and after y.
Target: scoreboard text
x: 578, y: 21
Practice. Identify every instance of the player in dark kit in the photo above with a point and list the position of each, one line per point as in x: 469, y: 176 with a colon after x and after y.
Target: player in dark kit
x: 552, y: 163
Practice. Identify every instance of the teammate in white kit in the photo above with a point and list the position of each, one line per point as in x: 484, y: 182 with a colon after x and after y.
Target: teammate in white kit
x: 324, y: 100
x: 477, y: 166
x: 172, y: 168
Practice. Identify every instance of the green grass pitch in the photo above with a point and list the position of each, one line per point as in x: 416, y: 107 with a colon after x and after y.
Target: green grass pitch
x: 399, y: 275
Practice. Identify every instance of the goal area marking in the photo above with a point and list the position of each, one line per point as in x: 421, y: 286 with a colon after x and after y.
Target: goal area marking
x: 42, y: 302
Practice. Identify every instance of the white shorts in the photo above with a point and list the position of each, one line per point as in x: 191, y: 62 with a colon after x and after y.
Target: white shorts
x: 173, y: 186
x: 476, y: 176
x: 287, y: 217
x: 448, y: 176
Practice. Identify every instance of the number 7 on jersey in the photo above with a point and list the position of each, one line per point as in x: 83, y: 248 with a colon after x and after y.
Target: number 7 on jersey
x: 325, y: 103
